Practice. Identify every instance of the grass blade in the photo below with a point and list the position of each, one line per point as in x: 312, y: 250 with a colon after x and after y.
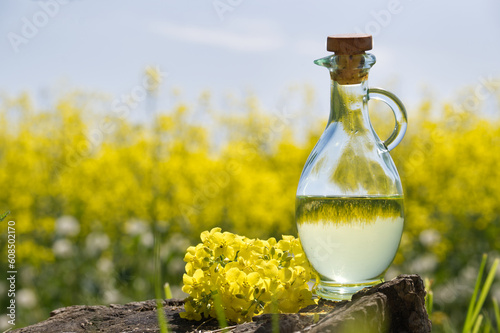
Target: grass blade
x: 497, y: 313
x: 4, y: 215
x: 478, y: 324
x: 487, y: 325
x: 167, y: 290
x: 162, y: 320
x: 221, y: 316
x: 468, y: 320
x: 429, y: 297
x: 275, y: 319
x: 485, y: 289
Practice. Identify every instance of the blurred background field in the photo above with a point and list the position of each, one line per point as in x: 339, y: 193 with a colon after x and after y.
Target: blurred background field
x: 89, y: 199
x: 126, y: 124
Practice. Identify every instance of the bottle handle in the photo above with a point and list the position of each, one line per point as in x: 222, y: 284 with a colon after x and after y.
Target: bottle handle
x: 399, y: 111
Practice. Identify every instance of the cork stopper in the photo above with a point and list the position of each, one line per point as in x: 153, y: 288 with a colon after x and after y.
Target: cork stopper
x: 349, y: 43
x: 350, y: 57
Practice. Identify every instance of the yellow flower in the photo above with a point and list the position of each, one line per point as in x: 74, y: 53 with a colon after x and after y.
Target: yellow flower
x: 191, y: 312
x: 194, y: 285
x: 267, y: 267
x: 207, y: 235
x: 248, y: 274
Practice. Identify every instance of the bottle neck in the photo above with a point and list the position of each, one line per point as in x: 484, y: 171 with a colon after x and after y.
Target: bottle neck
x: 348, y: 105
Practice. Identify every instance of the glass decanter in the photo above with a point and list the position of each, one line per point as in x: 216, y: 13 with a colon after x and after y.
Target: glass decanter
x: 349, y: 204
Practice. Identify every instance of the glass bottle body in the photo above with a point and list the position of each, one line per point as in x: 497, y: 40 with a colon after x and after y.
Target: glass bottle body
x: 349, y: 204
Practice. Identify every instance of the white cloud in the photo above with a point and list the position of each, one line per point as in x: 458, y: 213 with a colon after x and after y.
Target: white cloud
x: 244, y: 35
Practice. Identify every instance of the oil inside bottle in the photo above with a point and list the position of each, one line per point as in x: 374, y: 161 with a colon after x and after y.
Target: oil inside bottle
x: 350, y: 240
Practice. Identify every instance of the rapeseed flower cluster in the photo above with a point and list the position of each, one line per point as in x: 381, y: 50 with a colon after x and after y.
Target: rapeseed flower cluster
x: 249, y: 276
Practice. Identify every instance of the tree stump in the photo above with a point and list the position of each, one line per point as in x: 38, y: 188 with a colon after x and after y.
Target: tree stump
x: 393, y: 306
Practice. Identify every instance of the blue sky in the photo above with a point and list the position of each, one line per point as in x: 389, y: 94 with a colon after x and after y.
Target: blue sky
x: 241, y: 46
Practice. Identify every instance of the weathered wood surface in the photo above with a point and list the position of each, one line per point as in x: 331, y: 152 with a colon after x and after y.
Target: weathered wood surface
x: 393, y: 306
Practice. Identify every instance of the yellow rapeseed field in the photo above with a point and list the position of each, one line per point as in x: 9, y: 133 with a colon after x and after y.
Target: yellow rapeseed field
x: 90, y: 194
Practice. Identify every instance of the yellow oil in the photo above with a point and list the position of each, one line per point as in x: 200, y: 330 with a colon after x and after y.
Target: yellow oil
x: 350, y: 240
